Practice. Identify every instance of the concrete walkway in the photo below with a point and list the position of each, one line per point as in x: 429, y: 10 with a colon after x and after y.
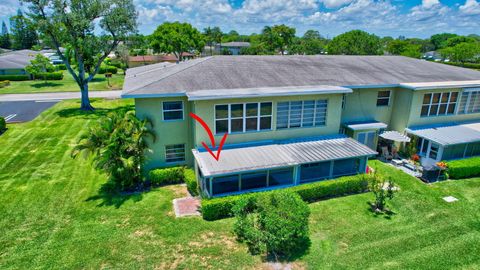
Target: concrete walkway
x: 59, y: 95
x: 187, y: 206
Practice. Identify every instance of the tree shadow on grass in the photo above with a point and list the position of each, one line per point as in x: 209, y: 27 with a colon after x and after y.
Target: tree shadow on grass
x: 98, y: 112
x: 45, y: 84
x: 107, y: 196
x: 302, y: 249
x: 387, y: 214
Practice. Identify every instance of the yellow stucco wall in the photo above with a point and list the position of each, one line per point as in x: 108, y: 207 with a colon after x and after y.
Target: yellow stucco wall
x: 206, y: 110
x: 361, y: 105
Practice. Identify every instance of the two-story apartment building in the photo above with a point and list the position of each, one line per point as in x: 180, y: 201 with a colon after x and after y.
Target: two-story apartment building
x: 296, y: 119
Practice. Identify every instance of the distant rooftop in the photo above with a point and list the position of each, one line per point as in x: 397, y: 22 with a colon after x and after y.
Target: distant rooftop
x: 17, y: 59
x: 236, y: 44
x: 250, y: 72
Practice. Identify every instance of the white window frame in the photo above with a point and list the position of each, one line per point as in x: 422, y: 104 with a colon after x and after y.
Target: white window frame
x: 344, y: 101
x: 177, y: 161
x: 447, y: 104
x: 301, y: 118
x: 176, y: 110
x: 383, y: 98
x: 244, y: 117
x: 468, y: 106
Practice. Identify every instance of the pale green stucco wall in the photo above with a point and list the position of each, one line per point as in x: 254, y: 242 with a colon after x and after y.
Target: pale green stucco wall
x: 167, y: 133
x: 206, y: 110
x: 417, y: 100
x: 401, y: 109
x: 361, y: 105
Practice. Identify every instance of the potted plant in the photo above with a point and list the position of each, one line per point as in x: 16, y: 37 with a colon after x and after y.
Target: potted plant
x: 416, y: 161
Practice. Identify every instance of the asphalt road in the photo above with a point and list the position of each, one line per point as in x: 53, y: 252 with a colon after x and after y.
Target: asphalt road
x: 24, y: 111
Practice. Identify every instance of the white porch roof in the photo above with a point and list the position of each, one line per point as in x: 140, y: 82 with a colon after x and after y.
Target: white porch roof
x: 279, y: 154
x: 449, y: 134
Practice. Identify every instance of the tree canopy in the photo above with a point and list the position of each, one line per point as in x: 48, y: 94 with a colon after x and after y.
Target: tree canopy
x: 462, y: 52
x: 75, y: 25
x: 176, y: 38
x: 355, y: 42
x: 24, y: 35
x: 5, y: 37
x: 40, y: 65
x: 439, y: 41
x: 278, y: 37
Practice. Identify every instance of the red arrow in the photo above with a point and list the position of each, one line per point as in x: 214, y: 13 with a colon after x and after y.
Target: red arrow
x: 212, y: 138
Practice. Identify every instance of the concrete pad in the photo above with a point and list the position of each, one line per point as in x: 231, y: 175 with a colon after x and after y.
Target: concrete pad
x: 450, y: 199
x: 187, y: 206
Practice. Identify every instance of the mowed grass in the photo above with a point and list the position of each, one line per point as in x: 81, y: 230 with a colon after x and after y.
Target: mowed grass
x: 68, y: 84
x: 53, y: 216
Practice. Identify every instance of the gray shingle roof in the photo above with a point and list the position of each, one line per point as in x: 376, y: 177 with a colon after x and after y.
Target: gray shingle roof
x: 238, y: 72
x: 16, y: 59
x: 280, y: 154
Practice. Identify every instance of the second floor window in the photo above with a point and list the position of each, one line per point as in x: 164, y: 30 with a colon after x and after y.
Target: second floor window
x: 437, y: 104
x: 383, y: 98
x: 469, y: 102
x: 172, y: 110
x: 307, y: 113
x: 243, y: 117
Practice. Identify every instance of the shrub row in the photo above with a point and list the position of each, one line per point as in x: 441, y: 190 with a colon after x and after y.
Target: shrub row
x: 191, y: 181
x: 104, y: 69
x: 14, y: 77
x: 464, y: 168
x: 175, y: 175
x: 466, y: 65
x: 51, y: 76
x: 4, y: 83
x: 61, y: 67
x: 217, y: 208
x: 166, y: 176
x: 3, y: 124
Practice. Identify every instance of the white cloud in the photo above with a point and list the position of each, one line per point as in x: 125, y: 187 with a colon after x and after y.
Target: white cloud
x: 335, y: 3
x: 471, y: 7
x: 429, y: 3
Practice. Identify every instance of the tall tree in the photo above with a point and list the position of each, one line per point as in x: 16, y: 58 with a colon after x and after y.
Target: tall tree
x: 176, y: 38
x: 278, y: 37
x: 213, y: 36
x: 462, y: 52
x: 439, y: 41
x: 355, y: 42
x: 5, y: 37
x: 73, y: 24
x: 23, y: 31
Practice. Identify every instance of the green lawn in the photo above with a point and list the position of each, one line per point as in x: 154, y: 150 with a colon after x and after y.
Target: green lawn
x: 52, y: 215
x: 68, y: 84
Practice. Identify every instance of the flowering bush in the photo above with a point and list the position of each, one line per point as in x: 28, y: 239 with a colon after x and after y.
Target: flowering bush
x: 415, y: 158
x: 442, y: 164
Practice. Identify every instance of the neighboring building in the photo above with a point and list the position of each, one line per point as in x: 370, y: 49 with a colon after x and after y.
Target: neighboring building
x: 54, y: 57
x: 288, y: 117
x: 234, y: 48
x: 14, y: 62
x: 433, y: 56
x: 142, y: 60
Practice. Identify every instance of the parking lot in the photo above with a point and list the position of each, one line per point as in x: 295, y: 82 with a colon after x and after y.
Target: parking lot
x: 24, y: 111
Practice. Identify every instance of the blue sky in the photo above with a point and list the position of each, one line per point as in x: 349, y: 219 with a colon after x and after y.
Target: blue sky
x: 416, y: 18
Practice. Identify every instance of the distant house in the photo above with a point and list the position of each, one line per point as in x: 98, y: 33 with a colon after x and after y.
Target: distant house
x: 14, y: 62
x: 142, y: 60
x: 233, y: 47
x: 432, y: 56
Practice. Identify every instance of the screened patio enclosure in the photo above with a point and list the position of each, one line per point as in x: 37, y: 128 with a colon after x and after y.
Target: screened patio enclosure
x: 447, y: 142
x: 279, y: 164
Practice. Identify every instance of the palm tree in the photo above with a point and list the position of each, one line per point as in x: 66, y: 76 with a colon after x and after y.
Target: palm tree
x: 118, y: 145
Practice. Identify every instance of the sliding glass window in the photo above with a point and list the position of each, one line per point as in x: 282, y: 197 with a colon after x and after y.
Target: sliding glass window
x: 306, y: 113
x: 243, y: 117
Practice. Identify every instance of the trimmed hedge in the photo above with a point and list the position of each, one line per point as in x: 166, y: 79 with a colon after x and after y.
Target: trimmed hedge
x: 191, y: 181
x: 166, y: 176
x: 14, y: 77
x: 217, y: 208
x: 61, y: 67
x: 464, y: 168
x: 104, y: 69
x: 4, y: 83
x: 465, y: 65
x: 3, y: 124
x: 50, y: 76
